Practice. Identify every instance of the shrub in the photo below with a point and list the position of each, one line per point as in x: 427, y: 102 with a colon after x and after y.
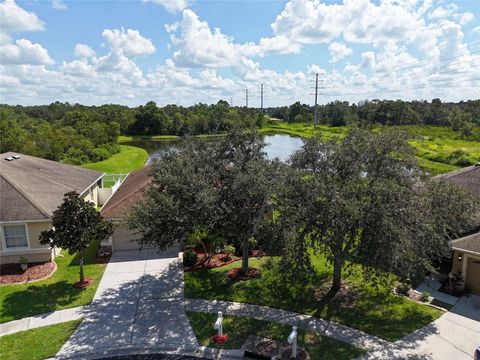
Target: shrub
x: 424, y: 297
x: 189, y: 258
x: 403, y: 288
x: 229, y: 250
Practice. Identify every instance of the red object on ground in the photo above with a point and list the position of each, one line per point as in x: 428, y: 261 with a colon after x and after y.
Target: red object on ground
x: 220, y: 339
x: 84, y: 284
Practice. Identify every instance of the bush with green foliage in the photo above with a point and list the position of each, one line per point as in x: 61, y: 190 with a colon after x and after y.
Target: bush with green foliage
x: 229, y: 250
x: 424, y: 297
x: 189, y: 258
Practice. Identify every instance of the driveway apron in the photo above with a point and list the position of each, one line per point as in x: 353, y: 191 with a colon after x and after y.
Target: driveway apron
x: 139, y: 302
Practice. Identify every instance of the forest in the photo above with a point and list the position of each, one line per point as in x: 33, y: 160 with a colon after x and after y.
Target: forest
x: 79, y: 134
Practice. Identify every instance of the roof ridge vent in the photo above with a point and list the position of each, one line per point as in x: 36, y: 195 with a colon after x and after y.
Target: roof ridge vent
x: 16, y: 157
x: 9, y: 158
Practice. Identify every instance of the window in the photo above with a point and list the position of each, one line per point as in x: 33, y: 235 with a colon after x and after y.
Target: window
x: 15, y: 236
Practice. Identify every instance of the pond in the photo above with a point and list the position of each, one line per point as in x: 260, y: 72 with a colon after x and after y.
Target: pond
x: 278, y: 146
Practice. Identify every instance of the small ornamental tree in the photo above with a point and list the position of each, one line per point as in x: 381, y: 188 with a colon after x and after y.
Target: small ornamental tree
x: 75, y: 225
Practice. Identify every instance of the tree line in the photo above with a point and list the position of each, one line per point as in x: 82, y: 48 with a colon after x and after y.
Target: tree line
x: 78, y: 134
x: 462, y: 116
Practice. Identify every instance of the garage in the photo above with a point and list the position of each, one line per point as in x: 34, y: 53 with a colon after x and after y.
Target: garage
x: 118, y: 206
x: 466, y: 260
x: 473, y: 275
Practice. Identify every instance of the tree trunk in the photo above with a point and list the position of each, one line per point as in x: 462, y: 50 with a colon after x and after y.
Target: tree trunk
x: 82, y: 277
x: 245, y: 258
x: 337, y: 273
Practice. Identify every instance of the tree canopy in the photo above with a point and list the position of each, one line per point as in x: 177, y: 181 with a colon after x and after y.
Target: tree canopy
x: 365, y: 200
x: 223, y: 188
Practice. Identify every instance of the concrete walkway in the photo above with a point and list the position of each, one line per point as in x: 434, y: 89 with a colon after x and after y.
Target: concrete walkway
x: 36, y: 321
x: 309, y: 323
x: 138, y: 304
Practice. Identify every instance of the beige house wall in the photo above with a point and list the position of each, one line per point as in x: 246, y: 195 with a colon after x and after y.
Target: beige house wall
x: 465, y: 266
x: 92, y: 194
x: 36, y: 251
x: 457, y: 265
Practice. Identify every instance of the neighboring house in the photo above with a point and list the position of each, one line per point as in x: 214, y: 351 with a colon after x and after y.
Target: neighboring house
x: 30, y: 190
x: 118, y: 206
x: 466, y: 250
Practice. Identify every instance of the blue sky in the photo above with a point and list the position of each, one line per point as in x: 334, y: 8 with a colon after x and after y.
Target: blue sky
x: 188, y: 51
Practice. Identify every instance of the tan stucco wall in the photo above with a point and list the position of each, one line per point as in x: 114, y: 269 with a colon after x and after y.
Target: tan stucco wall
x: 32, y: 255
x: 34, y: 230
x: 9, y: 259
x: 93, y: 195
x: 457, y: 265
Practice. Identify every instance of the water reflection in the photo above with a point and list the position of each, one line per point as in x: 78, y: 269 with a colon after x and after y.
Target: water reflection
x: 279, y: 145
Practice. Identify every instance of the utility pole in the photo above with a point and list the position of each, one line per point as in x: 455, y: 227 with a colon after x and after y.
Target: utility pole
x: 261, y: 97
x: 231, y: 101
x: 246, y: 98
x: 315, y: 109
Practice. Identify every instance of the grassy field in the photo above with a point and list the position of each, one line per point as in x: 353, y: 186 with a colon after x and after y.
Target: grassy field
x: 238, y: 329
x: 36, y: 344
x: 373, y: 309
x: 54, y: 293
x: 130, y: 158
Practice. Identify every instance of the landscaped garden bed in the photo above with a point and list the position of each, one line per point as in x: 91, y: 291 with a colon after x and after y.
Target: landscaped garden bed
x: 239, y: 328
x: 13, y: 274
x: 54, y: 293
x: 370, y: 307
x: 36, y: 344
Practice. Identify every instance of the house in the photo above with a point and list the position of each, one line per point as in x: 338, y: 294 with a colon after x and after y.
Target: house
x: 118, y: 206
x: 31, y: 189
x: 466, y: 250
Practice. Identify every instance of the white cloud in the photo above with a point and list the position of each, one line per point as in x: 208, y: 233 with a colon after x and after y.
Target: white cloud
x: 362, y: 21
x: 129, y: 41
x: 16, y: 19
x: 25, y: 52
x: 476, y: 29
x: 279, y: 45
x: 198, y: 46
x: 83, y: 51
x: 339, y: 51
x: 172, y: 6
x: 59, y: 5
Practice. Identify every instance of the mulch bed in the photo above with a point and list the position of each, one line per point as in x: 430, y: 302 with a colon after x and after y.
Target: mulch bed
x: 301, y: 354
x: 13, y: 274
x: 218, y: 260
x: 82, y: 285
x: 237, y: 275
x: 347, y: 295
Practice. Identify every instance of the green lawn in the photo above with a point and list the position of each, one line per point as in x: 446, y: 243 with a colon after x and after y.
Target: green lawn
x: 36, y: 344
x: 238, y: 329
x: 375, y: 310
x: 129, y: 158
x: 54, y: 293
x: 125, y: 138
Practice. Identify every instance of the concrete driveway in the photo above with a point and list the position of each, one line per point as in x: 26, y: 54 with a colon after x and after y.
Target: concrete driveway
x: 138, y: 304
x: 455, y: 335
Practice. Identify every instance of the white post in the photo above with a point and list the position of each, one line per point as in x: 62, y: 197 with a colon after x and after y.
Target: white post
x: 218, y: 324
x: 292, y: 339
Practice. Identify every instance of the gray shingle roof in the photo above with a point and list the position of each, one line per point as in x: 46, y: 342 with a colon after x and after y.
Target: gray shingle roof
x: 128, y: 194
x: 32, y: 188
x: 467, y: 178
x: 470, y: 243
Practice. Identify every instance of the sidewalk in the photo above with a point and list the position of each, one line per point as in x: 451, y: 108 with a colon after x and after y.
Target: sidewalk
x: 36, y: 321
x: 305, y: 322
